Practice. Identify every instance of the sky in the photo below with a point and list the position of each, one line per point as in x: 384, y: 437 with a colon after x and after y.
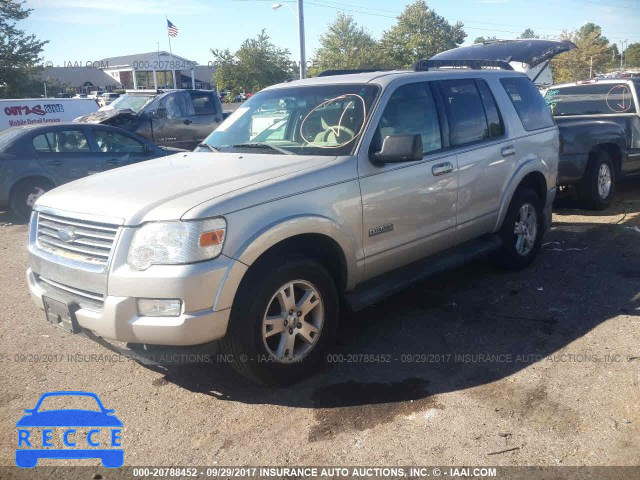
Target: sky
x: 81, y: 31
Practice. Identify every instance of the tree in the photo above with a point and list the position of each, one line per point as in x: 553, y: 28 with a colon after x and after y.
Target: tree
x: 592, y: 56
x: 346, y: 46
x: 528, y: 33
x: 632, y: 56
x: 257, y: 64
x: 20, y: 53
x: 419, y: 33
x: 484, y: 39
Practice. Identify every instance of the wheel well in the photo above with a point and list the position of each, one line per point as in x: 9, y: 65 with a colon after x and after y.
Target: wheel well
x: 321, y: 248
x: 536, y: 182
x: 614, y: 152
x: 24, y: 180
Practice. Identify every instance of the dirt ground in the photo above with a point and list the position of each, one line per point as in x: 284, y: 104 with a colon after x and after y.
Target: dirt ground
x: 542, y: 365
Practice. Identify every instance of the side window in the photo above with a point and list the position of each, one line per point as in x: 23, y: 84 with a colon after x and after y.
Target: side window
x: 528, y: 102
x: 116, y: 142
x: 496, y: 127
x: 62, y: 141
x: 41, y: 144
x: 203, y: 103
x: 410, y: 110
x: 178, y: 105
x: 465, y: 111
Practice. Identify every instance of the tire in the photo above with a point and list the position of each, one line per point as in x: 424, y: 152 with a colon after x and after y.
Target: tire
x: 598, y: 182
x: 520, y: 249
x: 23, y: 196
x: 265, y: 357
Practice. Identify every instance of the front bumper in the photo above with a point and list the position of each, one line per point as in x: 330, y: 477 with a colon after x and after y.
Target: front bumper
x: 119, y: 320
x: 107, y: 296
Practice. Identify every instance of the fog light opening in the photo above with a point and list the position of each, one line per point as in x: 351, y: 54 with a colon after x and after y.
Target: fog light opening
x: 159, y: 307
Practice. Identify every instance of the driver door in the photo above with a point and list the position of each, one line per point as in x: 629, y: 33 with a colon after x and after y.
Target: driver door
x: 409, y: 208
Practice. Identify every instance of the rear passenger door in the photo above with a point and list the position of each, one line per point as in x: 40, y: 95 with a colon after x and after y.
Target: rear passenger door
x: 66, y: 154
x: 206, y: 117
x: 409, y: 208
x: 485, y: 157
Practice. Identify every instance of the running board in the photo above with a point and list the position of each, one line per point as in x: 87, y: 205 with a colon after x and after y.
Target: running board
x: 377, y: 289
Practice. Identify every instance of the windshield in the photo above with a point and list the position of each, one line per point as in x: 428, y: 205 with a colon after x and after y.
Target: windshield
x: 131, y: 102
x: 312, y: 120
x: 591, y: 99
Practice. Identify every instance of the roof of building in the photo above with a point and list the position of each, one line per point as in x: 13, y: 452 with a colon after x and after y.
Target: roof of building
x: 129, y: 60
x: 78, y: 76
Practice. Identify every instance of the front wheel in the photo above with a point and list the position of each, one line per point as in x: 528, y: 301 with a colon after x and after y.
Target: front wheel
x: 521, y: 230
x: 282, y: 321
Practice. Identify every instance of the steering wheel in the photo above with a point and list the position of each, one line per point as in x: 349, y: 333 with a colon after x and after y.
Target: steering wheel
x: 336, y: 131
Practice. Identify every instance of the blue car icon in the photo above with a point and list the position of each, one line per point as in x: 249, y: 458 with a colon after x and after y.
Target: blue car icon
x: 103, y: 418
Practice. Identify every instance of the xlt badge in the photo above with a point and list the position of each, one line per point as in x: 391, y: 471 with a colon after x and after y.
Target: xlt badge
x: 387, y: 227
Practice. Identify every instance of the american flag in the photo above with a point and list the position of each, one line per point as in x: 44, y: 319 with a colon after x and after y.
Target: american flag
x: 173, y: 30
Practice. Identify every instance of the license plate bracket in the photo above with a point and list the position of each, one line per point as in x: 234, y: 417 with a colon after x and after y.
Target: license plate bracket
x: 61, y: 314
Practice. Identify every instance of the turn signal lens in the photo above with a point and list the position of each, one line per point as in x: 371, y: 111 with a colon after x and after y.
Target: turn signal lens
x: 215, y: 237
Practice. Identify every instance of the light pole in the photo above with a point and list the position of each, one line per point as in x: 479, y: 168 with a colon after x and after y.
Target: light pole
x: 300, y: 16
x: 622, y: 45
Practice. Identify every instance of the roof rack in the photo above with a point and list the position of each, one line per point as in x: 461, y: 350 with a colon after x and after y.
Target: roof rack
x: 330, y: 73
x: 426, y: 65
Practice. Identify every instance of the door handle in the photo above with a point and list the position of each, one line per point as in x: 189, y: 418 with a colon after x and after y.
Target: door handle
x: 55, y: 163
x: 442, y: 169
x: 507, y: 151
x: 188, y: 122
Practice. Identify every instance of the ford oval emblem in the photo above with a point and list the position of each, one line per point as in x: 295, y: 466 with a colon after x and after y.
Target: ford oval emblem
x: 66, y: 235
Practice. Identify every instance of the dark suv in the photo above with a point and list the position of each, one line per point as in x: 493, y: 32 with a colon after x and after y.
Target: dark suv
x: 173, y: 118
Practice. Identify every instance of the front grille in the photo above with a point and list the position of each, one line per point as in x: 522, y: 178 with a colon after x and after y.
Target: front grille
x: 81, y: 240
x: 84, y: 298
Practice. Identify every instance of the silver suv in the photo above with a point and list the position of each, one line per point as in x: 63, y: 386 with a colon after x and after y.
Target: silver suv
x: 314, y: 195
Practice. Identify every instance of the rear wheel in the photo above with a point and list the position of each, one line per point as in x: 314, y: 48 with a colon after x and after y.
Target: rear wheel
x: 521, y: 230
x: 282, y: 321
x: 598, y: 183
x: 24, y: 195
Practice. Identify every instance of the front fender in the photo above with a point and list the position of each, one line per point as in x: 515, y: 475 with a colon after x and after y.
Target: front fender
x: 276, y: 232
x: 528, y: 166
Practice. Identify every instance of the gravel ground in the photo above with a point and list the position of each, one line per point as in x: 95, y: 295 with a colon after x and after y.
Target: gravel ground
x: 544, y: 363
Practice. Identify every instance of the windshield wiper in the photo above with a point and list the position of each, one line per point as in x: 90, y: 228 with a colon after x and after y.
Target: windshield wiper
x: 263, y: 145
x: 213, y: 149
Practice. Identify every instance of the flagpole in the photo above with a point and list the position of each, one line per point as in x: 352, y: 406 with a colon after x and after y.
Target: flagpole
x: 173, y: 72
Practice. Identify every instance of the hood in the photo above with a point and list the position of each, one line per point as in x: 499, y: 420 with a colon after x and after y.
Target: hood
x: 167, y: 187
x: 102, y: 116
x: 530, y: 51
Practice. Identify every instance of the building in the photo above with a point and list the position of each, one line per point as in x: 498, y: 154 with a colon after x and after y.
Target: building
x: 139, y: 71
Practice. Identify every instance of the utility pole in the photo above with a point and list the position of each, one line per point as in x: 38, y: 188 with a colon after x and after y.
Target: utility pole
x: 303, y: 66
x: 591, y: 68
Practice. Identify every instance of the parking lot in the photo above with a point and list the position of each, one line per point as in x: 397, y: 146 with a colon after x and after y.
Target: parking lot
x: 475, y: 367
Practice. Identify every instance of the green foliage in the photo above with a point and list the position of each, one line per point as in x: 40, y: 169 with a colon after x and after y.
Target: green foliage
x: 484, y: 39
x: 632, y: 56
x: 257, y: 64
x: 346, y: 46
x: 594, y: 53
x: 528, y: 33
x: 20, y: 53
x: 419, y: 33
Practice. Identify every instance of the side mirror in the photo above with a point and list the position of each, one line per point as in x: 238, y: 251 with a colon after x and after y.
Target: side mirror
x: 399, y: 148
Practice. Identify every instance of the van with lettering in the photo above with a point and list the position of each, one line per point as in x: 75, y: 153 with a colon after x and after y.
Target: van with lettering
x: 40, y: 111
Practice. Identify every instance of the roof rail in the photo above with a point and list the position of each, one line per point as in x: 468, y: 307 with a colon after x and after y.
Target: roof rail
x: 426, y: 65
x: 330, y: 73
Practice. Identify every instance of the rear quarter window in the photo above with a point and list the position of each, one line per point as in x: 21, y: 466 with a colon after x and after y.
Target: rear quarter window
x: 528, y: 103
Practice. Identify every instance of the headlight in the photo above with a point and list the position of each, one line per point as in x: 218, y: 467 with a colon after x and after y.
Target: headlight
x: 176, y: 243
